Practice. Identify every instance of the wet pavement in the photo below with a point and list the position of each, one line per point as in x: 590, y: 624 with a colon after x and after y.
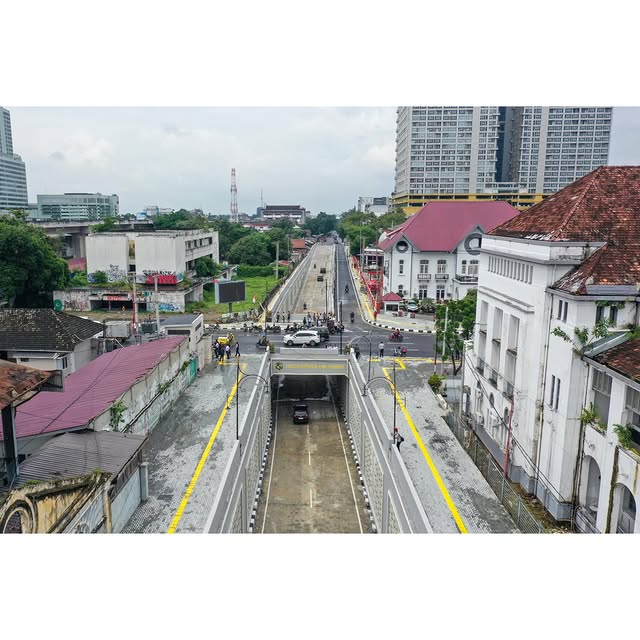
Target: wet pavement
x: 177, y: 444
x: 472, y: 499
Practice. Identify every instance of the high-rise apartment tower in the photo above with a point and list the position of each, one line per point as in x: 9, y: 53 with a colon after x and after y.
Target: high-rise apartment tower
x: 517, y: 154
x: 13, y: 177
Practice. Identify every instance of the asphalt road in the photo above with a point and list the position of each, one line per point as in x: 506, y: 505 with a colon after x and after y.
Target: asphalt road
x: 418, y: 344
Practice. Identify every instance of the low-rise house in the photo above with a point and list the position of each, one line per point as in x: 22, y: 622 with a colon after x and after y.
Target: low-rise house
x: 83, y: 482
x: 435, y: 253
x: 191, y: 325
x: 48, y: 339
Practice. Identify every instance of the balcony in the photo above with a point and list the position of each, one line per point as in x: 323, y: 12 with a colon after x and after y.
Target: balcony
x: 480, y: 366
x: 466, y: 278
x: 442, y: 276
x: 508, y: 390
x: 424, y: 276
x: 493, y: 377
x: 496, y: 341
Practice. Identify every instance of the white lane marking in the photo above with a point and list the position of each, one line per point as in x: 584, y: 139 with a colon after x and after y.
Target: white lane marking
x: 273, y: 455
x: 346, y: 460
x: 311, y: 498
x: 309, y: 452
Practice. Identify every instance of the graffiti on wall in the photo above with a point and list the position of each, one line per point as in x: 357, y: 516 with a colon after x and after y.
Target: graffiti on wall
x: 114, y: 274
x: 164, y: 277
x: 168, y: 306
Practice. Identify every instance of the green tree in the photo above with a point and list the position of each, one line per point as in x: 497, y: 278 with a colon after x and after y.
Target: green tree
x: 584, y: 337
x: 322, y: 224
x: 108, y: 224
x: 181, y: 219
x: 460, y: 319
x: 277, y: 234
x: 228, y: 234
x: 252, y: 249
x: 29, y: 268
x: 206, y: 267
x: 100, y: 277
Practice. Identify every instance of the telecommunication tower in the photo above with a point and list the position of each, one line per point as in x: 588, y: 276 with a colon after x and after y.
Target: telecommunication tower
x: 234, y: 197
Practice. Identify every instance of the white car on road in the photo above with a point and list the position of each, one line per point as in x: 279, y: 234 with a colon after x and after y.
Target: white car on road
x: 310, y: 338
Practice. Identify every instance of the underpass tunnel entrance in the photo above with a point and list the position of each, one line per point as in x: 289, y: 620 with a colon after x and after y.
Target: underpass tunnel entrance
x: 311, y: 482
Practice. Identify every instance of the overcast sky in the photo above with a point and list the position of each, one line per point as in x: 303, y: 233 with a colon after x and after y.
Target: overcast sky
x: 321, y: 158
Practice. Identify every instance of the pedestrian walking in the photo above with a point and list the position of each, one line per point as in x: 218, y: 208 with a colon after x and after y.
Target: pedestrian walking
x: 288, y: 317
x: 398, y: 439
x: 304, y: 321
x: 381, y: 348
x: 375, y: 315
x: 278, y: 317
x: 220, y: 353
x: 227, y: 351
x: 216, y: 348
x: 356, y: 350
x: 237, y: 349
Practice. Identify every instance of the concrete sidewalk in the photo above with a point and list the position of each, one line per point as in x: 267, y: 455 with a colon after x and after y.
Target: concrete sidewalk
x: 199, y: 420
x: 419, y: 324
x: 446, y: 479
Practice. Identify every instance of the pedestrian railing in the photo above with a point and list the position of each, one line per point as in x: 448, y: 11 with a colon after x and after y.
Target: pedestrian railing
x: 494, y: 475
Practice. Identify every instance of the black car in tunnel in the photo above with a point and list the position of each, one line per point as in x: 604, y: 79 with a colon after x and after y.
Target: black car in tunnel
x: 300, y: 414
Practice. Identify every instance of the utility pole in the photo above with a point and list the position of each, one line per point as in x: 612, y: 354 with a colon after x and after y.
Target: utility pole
x: 444, y: 335
x: 135, y: 306
x: 277, y: 258
x: 155, y: 284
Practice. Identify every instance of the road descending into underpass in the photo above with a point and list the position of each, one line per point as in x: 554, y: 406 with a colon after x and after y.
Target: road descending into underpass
x: 311, y: 483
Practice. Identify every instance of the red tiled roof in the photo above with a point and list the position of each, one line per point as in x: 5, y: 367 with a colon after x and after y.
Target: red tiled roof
x: 625, y: 359
x: 298, y: 243
x: 391, y: 297
x: 17, y: 380
x: 601, y: 207
x: 440, y: 226
x: 90, y: 391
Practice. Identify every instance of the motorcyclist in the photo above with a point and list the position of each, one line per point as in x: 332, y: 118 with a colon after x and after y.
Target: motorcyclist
x: 352, y: 315
x: 346, y: 288
x: 403, y: 350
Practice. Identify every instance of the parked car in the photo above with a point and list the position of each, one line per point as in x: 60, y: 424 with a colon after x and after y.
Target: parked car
x: 412, y: 306
x: 310, y: 338
x: 320, y: 278
x: 300, y: 414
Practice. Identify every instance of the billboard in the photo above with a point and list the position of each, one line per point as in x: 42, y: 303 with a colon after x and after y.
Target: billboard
x: 230, y: 291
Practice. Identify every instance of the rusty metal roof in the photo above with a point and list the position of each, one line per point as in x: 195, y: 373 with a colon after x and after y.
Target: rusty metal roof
x: 18, y: 382
x: 623, y: 358
x: 92, y: 390
x: 71, y: 455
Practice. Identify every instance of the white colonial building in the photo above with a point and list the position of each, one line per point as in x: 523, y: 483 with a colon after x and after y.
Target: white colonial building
x: 435, y: 253
x: 564, y: 264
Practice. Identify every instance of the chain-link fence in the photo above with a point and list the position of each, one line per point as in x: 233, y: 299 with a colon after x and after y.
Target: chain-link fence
x: 513, y: 503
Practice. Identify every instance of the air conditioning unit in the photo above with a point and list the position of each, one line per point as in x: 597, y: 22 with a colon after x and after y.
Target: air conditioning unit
x: 480, y: 419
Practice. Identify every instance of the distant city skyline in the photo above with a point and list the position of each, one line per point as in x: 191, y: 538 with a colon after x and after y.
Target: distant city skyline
x: 321, y: 158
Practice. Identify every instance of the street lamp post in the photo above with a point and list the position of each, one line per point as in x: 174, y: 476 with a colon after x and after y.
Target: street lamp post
x: 239, y: 383
x: 340, y: 322
x: 392, y: 386
x: 354, y: 341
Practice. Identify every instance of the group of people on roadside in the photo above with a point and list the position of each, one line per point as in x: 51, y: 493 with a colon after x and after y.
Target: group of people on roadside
x: 222, y: 351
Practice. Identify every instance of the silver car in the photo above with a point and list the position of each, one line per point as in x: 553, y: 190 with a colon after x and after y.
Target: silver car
x: 310, y: 338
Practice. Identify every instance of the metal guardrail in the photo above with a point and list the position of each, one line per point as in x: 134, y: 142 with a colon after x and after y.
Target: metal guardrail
x: 494, y: 475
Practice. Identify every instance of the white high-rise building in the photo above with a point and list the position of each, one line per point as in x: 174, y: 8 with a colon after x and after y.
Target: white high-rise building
x: 77, y: 206
x: 13, y: 176
x: 509, y: 153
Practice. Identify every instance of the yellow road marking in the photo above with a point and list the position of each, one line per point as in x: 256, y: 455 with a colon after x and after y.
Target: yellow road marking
x: 205, y: 454
x: 443, y: 489
x: 400, y: 363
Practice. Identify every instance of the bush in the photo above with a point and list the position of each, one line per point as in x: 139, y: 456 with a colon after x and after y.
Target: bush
x: 100, y: 277
x: 250, y: 271
x: 435, y: 382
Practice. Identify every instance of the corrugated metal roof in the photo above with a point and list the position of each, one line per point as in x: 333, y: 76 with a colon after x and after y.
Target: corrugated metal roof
x: 440, y: 226
x: 90, y: 391
x: 71, y: 455
x: 17, y: 380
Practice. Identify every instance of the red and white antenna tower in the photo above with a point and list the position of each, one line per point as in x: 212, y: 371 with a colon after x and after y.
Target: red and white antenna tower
x: 234, y: 197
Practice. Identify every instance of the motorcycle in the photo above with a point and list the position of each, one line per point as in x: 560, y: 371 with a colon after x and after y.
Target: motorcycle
x: 395, y: 337
x: 353, y: 316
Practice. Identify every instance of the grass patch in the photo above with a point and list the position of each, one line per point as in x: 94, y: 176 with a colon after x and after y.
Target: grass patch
x: 257, y: 285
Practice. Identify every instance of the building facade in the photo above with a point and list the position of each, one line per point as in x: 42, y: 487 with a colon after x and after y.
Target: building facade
x: 13, y: 176
x: 77, y: 206
x: 516, y: 154
x: 435, y: 253
x: 377, y: 206
x: 295, y: 213
x: 169, y: 255
x: 546, y: 279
